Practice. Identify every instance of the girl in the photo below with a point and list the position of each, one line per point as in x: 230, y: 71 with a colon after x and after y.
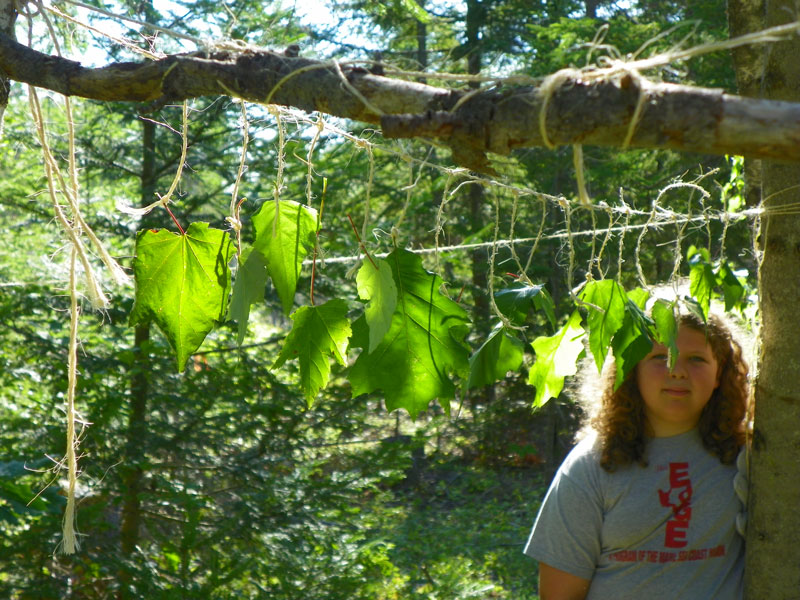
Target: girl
x: 644, y: 506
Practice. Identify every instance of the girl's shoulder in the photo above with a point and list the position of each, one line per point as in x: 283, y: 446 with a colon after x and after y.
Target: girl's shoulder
x: 584, y: 456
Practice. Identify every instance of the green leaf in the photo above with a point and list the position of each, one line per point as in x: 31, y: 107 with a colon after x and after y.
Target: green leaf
x: 317, y: 333
x: 701, y: 278
x: 377, y: 286
x: 639, y: 297
x: 666, y: 328
x: 631, y: 342
x: 733, y: 191
x: 285, y: 243
x: 248, y: 289
x: 556, y: 358
x: 423, y: 346
x: 732, y: 289
x: 182, y: 284
x: 610, y: 298
x: 516, y: 301
x: 694, y: 307
x: 499, y: 354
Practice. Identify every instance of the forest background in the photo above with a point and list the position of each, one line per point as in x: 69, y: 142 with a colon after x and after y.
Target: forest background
x: 227, y: 478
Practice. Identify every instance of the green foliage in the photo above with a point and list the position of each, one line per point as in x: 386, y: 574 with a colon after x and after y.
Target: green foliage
x: 515, y: 302
x: 248, y: 289
x: 701, y: 278
x: 606, y: 300
x: 423, y: 346
x: 632, y: 341
x: 556, y: 358
x: 377, y: 287
x: 706, y: 283
x: 497, y: 356
x: 733, y: 190
x: 318, y: 332
x: 733, y: 290
x: 284, y: 234
x: 666, y: 327
x: 182, y: 284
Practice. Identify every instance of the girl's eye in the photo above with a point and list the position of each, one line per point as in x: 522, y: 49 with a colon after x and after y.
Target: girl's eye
x: 661, y: 357
x: 698, y: 359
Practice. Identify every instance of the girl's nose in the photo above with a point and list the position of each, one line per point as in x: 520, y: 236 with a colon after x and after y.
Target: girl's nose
x: 679, y: 370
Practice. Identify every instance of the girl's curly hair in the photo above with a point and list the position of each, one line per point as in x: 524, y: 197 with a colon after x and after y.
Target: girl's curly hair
x: 620, y: 421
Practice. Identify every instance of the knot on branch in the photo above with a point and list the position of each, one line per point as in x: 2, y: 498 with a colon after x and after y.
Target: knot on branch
x: 466, y: 128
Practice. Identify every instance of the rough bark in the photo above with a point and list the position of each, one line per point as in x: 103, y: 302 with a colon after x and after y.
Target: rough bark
x: 475, y: 19
x: 746, y: 16
x: 773, y: 554
x: 580, y: 110
x: 136, y: 434
x: 8, y: 16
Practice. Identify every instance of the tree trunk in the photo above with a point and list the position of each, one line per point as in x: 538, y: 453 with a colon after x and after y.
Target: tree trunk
x: 475, y: 19
x: 773, y: 553
x: 8, y: 17
x: 136, y: 435
x: 422, y: 45
x: 747, y: 16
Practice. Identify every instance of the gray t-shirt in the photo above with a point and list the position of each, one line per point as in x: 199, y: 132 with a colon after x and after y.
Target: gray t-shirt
x: 667, y: 530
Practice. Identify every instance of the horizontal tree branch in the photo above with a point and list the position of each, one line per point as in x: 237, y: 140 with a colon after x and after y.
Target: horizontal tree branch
x: 594, y: 108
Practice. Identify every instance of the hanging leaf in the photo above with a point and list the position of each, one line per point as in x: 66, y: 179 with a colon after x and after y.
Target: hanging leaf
x: 317, y: 333
x: 666, y: 328
x: 423, y: 346
x: 556, y: 358
x: 182, y: 284
x: 701, y: 278
x: 604, y: 321
x: 516, y: 301
x: 248, y: 289
x: 631, y: 342
x: 732, y: 289
x: 285, y: 243
x: 694, y: 307
x: 498, y: 355
x: 377, y: 286
x: 639, y: 297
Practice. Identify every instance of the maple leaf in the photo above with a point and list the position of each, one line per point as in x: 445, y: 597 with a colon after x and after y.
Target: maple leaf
x: 284, y: 243
x: 515, y: 302
x: 377, y: 286
x: 732, y: 289
x: 248, y: 288
x: 632, y: 341
x: 701, y: 278
x: 556, y: 358
x: 666, y: 328
x: 182, y: 284
x: 317, y: 333
x: 609, y: 297
x: 498, y: 355
x: 423, y: 346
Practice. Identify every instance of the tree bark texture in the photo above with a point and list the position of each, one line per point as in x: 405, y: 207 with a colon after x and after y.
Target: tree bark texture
x: 136, y: 435
x: 581, y: 109
x: 773, y: 553
x: 746, y: 16
x: 8, y: 16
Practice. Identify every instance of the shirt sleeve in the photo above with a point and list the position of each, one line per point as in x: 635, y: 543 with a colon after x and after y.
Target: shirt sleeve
x: 567, y: 531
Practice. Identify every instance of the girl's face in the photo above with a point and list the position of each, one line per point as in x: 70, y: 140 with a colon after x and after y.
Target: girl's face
x: 673, y: 400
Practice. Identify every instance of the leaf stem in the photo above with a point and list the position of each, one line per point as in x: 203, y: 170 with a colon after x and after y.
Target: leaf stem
x: 175, y: 220
x: 360, y: 243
